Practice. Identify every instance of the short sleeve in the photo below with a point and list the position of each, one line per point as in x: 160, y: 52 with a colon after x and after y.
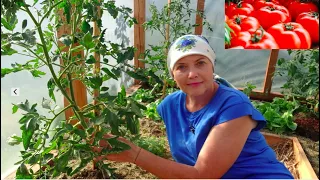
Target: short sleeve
x: 161, y: 108
x: 240, y: 109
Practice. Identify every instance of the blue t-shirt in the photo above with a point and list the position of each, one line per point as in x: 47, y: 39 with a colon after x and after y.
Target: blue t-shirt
x: 188, y: 131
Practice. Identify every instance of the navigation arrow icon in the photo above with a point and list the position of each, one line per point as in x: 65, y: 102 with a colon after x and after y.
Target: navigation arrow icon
x: 15, y: 91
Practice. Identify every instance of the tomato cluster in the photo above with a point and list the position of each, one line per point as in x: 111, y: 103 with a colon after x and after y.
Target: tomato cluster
x: 272, y: 24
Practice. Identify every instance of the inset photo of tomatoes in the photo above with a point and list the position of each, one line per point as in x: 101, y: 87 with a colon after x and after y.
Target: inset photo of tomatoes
x: 271, y: 24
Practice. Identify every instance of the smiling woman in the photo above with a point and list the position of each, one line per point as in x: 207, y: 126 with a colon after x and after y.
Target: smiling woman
x: 212, y: 130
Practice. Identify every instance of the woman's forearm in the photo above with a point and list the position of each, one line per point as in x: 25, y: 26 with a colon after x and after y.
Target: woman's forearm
x: 164, y: 168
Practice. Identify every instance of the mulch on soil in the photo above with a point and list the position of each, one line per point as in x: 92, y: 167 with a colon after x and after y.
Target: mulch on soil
x: 285, y: 154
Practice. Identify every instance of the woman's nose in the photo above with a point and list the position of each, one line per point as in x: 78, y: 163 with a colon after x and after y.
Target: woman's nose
x: 193, y: 73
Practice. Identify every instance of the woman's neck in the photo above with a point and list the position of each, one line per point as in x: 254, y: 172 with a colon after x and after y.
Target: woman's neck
x: 195, y: 103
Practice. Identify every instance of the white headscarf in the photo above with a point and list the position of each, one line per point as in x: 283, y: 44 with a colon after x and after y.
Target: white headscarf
x: 189, y: 45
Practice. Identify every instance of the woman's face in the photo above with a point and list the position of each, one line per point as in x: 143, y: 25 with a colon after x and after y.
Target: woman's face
x: 193, y: 74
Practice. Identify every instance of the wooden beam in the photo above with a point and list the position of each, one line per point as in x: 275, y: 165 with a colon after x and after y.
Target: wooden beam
x: 200, y: 7
x: 260, y: 95
x: 96, y: 70
x: 270, y: 70
x: 168, y: 25
x: 139, y: 33
x: 80, y: 91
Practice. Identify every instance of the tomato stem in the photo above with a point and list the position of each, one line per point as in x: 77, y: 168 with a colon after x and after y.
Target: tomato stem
x: 238, y: 20
x: 288, y: 27
x: 255, y: 37
x: 314, y: 14
x: 239, y: 4
x: 271, y: 8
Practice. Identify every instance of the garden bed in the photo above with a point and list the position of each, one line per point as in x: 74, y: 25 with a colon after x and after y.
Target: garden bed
x: 288, y: 150
x: 295, y: 158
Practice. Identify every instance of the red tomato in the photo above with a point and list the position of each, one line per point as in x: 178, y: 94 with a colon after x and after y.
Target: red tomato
x: 226, y: 18
x: 271, y: 15
x: 286, y: 3
x: 296, y: 8
x: 248, y: 1
x: 257, y: 40
x: 235, y: 28
x: 229, y: 8
x: 241, y: 9
x: 310, y: 21
x: 243, y: 23
x: 290, y: 36
x: 262, y: 3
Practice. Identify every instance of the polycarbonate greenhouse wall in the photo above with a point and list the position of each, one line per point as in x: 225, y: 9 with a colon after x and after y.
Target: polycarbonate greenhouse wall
x: 237, y: 66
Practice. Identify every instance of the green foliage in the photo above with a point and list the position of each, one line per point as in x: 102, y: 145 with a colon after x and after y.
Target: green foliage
x: 143, y: 95
x: 227, y: 34
x: 279, y: 114
x: 302, y: 72
x: 118, y: 114
x: 153, y: 144
x: 151, y: 111
x: 248, y: 88
x: 177, y: 15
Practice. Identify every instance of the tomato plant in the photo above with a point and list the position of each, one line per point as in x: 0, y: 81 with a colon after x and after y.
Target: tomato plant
x: 257, y: 40
x: 298, y: 7
x: 273, y: 14
x: 290, y: 36
x: 114, y: 114
x: 310, y: 21
x: 301, y: 70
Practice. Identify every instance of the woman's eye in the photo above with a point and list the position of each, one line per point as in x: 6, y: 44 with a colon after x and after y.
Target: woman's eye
x: 201, y: 63
x: 181, y: 67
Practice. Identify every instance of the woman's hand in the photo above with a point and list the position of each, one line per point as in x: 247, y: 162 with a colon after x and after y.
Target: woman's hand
x: 129, y: 155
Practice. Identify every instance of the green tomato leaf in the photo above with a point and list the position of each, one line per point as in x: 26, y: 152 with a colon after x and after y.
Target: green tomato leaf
x: 29, y: 37
x: 91, y: 60
x: 98, y: 120
x: 37, y: 73
x: 96, y: 82
x: 24, y: 24
x: 87, y: 41
x: 51, y: 85
x: 109, y: 73
x: 14, y: 109
x: 23, y: 172
x: 66, y: 40
x: 85, y: 27
x: 79, y: 132
x: 26, y: 137
x: 62, y: 161
x: 104, y: 89
x: 31, y: 124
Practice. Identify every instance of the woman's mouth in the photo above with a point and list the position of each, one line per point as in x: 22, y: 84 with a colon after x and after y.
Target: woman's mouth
x: 194, y: 84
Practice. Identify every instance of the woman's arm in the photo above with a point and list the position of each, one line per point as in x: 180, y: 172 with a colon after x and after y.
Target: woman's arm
x: 220, y: 150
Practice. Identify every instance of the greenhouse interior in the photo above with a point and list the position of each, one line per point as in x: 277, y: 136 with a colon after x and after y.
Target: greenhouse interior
x: 87, y: 79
